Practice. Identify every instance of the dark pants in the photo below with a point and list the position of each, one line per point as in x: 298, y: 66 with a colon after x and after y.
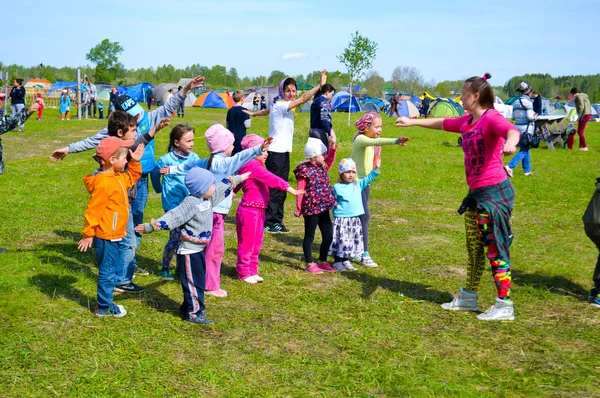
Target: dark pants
x: 181, y: 109
x: 192, y: 274
x: 365, y: 218
x: 278, y: 164
x: 323, y: 221
x: 593, y: 232
x: 149, y: 103
x: 92, y: 107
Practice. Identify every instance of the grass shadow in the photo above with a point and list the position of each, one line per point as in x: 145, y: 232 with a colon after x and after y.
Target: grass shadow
x: 413, y: 290
x: 55, y: 286
x: 556, y: 284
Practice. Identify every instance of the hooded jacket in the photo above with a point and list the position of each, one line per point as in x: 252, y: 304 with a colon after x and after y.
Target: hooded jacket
x: 108, y: 209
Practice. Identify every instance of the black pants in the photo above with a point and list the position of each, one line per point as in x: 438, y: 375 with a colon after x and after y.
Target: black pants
x: 593, y: 232
x: 278, y: 164
x: 149, y: 103
x: 192, y: 274
x: 365, y: 218
x: 92, y: 107
x: 323, y: 221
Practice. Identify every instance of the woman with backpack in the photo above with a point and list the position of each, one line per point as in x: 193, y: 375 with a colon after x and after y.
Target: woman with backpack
x: 525, y: 123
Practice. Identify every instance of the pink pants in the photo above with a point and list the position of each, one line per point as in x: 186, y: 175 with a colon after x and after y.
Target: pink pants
x: 249, y: 224
x: 581, y: 132
x: 214, y: 253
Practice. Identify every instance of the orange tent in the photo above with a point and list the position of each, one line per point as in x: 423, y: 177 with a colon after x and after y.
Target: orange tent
x: 212, y: 99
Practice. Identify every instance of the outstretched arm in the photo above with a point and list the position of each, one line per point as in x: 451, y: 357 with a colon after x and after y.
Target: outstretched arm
x: 436, y: 124
x: 309, y: 94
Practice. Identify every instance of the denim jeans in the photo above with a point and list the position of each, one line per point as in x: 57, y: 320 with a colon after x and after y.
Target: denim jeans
x: 522, y: 155
x: 129, y: 243
x: 110, y: 256
x: 132, y: 239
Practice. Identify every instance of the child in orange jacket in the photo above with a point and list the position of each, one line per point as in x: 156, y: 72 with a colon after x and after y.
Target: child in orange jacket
x: 107, y: 214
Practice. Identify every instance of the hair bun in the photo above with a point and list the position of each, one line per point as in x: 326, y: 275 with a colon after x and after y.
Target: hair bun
x: 487, y: 76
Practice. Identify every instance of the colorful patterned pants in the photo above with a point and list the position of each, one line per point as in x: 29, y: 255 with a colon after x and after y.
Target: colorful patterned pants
x: 480, y: 240
x: 170, y: 248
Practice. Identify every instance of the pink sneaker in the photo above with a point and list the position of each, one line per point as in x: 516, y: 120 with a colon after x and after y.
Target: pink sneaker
x: 216, y: 293
x: 326, y: 267
x: 313, y: 268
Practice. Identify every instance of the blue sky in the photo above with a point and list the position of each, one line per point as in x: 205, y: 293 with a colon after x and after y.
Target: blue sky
x: 444, y: 40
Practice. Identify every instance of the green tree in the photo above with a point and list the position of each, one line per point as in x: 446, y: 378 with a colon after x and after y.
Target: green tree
x: 275, y: 77
x: 373, y: 84
x: 358, y: 58
x: 106, y: 57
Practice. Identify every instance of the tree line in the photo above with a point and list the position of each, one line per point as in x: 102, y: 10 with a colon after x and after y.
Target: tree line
x: 403, y: 78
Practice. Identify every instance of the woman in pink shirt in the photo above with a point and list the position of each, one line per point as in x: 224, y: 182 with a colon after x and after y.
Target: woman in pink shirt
x: 487, y: 136
x: 250, y: 215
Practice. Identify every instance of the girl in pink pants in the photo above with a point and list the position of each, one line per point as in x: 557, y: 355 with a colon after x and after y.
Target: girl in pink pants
x: 250, y: 216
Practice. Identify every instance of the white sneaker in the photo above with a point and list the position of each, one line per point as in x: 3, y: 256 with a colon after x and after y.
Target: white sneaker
x: 581, y: 149
x: 251, y: 280
x: 465, y: 301
x: 258, y: 278
x: 502, y: 310
x: 348, y: 265
x: 509, y: 171
x: 339, y: 267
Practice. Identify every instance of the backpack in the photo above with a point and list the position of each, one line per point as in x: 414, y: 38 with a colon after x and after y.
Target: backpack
x: 530, y: 140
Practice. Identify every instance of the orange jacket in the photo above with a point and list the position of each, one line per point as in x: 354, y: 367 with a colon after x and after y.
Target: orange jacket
x: 108, y: 209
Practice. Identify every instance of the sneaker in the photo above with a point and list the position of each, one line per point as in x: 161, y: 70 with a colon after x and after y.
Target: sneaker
x: 339, y: 267
x: 114, y: 310
x: 199, y: 320
x: 509, y: 171
x: 216, y: 293
x: 367, y: 261
x: 273, y: 229
x: 166, y: 275
x: 596, y: 301
x: 141, y: 271
x: 465, y: 301
x: 357, y: 259
x: 528, y: 174
x: 502, y: 310
x: 283, y: 229
x: 581, y: 149
x: 129, y: 288
x: 348, y: 265
x: 326, y: 267
x: 251, y: 280
x: 259, y: 278
x: 313, y: 268
x: 593, y: 293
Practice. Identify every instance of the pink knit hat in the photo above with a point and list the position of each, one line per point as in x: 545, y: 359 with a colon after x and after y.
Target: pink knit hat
x: 218, y: 138
x: 251, y: 140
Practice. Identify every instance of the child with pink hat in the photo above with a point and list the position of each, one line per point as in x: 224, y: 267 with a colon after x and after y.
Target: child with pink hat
x: 250, y: 216
x: 220, y: 144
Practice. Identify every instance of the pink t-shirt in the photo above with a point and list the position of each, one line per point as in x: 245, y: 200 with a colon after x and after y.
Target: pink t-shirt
x: 482, y: 144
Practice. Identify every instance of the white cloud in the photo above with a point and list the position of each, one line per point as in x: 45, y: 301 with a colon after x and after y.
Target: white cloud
x: 293, y: 56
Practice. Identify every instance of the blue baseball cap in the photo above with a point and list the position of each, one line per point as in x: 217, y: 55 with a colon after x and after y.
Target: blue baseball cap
x: 129, y: 105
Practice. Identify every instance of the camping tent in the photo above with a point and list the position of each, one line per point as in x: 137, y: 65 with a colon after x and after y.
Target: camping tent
x: 138, y: 92
x: 341, y: 102
x: 369, y: 107
x: 161, y: 92
x: 408, y: 109
x: 189, y: 100
x: 42, y: 84
x: 248, y: 102
x: 375, y: 101
x: 443, y: 107
x: 214, y: 100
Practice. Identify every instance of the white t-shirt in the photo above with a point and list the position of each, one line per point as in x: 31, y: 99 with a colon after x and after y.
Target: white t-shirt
x: 281, y: 127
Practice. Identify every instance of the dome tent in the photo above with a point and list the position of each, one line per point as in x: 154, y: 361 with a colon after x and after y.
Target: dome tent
x: 212, y: 99
x: 369, y: 107
x: 408, y: 108
x: 445, y: 108
x: 161, y: 92
x: 341, y: 102
x: 138, y: 92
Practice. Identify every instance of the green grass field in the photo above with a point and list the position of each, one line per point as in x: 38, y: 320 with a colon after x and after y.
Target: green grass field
x: 376, y: 332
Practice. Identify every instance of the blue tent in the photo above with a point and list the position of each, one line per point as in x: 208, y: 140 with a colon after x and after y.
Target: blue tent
x: 341, y: 102
x: 378, y: 103
x: 62, y: 85
x: 138, y: 92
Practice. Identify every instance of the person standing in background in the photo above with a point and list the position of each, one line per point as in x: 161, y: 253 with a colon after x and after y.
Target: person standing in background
x: 537, y: 103
x: 17, y: 99
x: 584, y: 112
x: 93, y: 94
x: 149, y: 95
